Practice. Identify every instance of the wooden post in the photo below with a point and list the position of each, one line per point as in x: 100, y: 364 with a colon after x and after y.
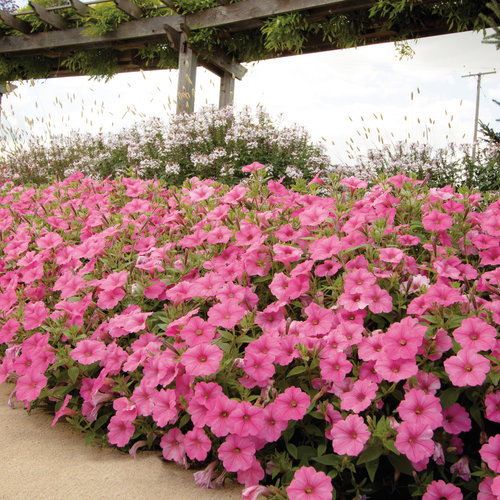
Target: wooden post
x: 226, y: 95
x: 187, y: 77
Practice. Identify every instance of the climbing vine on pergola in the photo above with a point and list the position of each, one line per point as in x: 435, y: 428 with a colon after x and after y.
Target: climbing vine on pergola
x: 52, y: 38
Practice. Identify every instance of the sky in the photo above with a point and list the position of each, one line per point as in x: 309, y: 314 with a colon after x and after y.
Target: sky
x: 349, y: 100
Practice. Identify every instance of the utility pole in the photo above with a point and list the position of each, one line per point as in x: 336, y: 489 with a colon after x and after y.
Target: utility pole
x: 476, y: 119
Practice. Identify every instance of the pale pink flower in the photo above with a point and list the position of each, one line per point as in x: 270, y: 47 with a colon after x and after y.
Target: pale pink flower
x: 436, y: 221
x: 310, y: 484
x: 252, y: 475
x: 349, y: 436
x: 120, y: 430
x: 172, y: 446
x: 49, y: 241
x: 359, y: 397
x: 237, y: 453
x: 421, y: 408
x: 253, y: 167
x: 88, y: 351
x: 334, y: 365
x: 467, y: 368
x: 226, y: 314
x: 456, y: 419
x: 475, y: 334
x: 245, y: 419
x: 439, y: 490
x: 35, y: 313
x: 490, y: 453
x: 415, y: 441
x: 197, y: 444
x: 202, y: 359
x: 492, y: 402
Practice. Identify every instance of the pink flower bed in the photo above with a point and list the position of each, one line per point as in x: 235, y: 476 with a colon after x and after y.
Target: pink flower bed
x: 310, y: 346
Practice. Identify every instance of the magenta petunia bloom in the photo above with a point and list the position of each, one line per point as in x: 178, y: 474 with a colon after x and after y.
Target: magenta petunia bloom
x: 436, y: 221
x: 88, y: 351
x: 456, y: 419
x: 35, y: 313
x: 349, y: 436
x: 197, y: 444
x: 310, y: 484
x: 415, y: 441
x: 253, y: 167
x: 30, y: 385
x: 246, y: 419
x: 292, y: 404
x: 172, y: 445
x: 492, y: 402
x: 475, y: 334
x: 237, y: 453
x: 120, y: 430
x: 334, y: 366
x: 359, y: 397
x: 490, y: 453
x: 202, y: 359
x: 467, y: 368
x: 226, y: 314
x: 422, y: 408
x: 439, y: 490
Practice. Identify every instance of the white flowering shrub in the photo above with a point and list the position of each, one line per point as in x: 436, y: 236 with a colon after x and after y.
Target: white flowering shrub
x: 211, y: 143
x: 450, y: 165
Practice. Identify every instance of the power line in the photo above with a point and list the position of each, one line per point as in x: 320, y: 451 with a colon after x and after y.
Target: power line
x: 476, y: 119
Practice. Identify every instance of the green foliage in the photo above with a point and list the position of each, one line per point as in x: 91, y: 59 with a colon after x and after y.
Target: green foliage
x: 97, y: 63
x: 495, y: 37
x: 103, y: 18
x: 285, y: 32
x: 159, y: 56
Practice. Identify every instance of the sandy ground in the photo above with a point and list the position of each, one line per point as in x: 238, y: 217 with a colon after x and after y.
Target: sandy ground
x: 40, y: 462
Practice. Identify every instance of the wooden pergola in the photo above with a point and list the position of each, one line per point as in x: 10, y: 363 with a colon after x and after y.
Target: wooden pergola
x: 61, y: 40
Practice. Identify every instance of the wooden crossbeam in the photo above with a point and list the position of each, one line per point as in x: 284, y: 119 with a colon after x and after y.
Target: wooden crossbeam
x: 169, y: 4
x: 129, y: 8
x: 15, y: 23
x: 251, y: 9
x: 82, y: 9
x: 51, y: 18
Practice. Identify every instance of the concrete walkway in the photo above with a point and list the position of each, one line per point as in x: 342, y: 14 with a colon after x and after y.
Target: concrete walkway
x: 40, y: 462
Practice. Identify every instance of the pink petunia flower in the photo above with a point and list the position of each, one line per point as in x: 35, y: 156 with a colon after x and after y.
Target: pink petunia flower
x: 35, y: 313
x: 310, y: 484
x: 63, y: 410
x: 421, y: 408
x: 439, y: 490
x: 292, y: 404
x: 349, y: 436
x: 334, y: 365
x: 202, y: 359
x: 436, y: 221
x: 456, y: 419
x: 30, y: 385
x: 172, y: 446
x: 474, y: 334
x: 467, y: 368
x: 490, y: 453
x: 120, y: 430
x: 415, y: 441
x: 218, y: 414
x: 197, y: 444
x: 492, y: 402
x: 226, y: 314
x: 237, y: 453
x: 273, y: 423
x: 359, y: 397
x: 88, y: 351
x: 253, y: 167
x: 245, y: 419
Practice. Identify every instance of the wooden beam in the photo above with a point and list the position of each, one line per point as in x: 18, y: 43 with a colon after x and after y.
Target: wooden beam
x: 169, y: 4
x: 129, y: 8
x: 252, y: 9
x: 225, y: 64
x: 226, y: 94
x: 173, y: 37
x: 187, y: 77
x: 82, y: 9
x: 75, y: 38
x: 15, y: 23
x: 51, y: 18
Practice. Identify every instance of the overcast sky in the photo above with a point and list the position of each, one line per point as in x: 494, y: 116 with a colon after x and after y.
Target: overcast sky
x: 335, y: 95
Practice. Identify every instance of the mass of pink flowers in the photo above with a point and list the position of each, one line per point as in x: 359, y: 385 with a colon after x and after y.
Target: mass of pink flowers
x: 330, y: 340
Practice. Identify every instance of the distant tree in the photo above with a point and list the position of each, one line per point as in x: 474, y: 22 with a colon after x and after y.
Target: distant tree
x: 494, y: 37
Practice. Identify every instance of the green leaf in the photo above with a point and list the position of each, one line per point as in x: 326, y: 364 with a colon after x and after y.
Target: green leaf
x: 370, y: 454
x: 101, y: 421
x: 73, y: 373
x: 297, y: 370
x: 328, y: 459
x: 449, y: 396
x: 371, y: 468
x: 402, y: 464
x: 475, y: 413
x: 389, y: 445
x: 292, y: 450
